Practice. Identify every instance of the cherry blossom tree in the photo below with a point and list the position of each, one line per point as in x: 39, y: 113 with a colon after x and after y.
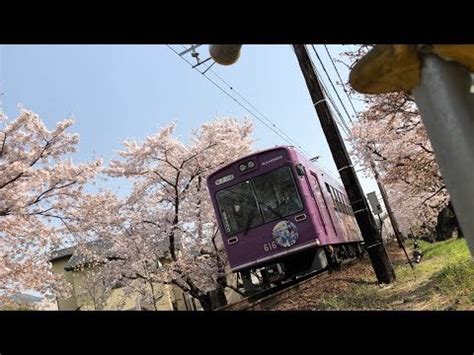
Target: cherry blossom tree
x: 391, y: 134
x: 38, y: 184
x: 95, y: 288
x: 164, y: 232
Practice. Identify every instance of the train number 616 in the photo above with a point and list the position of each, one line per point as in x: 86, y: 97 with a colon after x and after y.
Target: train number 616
x: 270, y: 246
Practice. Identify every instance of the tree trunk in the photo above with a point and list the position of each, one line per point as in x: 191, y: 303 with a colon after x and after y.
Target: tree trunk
x: 218, y: 298
x: 205, y: 301
x: 447, y: 223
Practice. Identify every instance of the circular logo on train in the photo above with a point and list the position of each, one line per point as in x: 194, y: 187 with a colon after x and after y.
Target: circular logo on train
x: 285, y: 233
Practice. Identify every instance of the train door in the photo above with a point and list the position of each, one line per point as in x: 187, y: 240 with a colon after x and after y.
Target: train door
x: 321, y: 201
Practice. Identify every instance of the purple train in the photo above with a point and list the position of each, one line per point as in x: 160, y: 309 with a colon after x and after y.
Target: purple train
x: 280, y: 216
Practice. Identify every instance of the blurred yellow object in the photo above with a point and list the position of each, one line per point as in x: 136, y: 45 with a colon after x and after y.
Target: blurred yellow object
x: 461, y: 53
x: 391, y: 68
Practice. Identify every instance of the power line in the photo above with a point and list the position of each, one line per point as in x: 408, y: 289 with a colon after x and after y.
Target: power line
x: 332, y: 84
x: 374, y: 171
x: 229, y: 95
x: 288, y: 138
x: 340, y: 78
x: 339, y: 118
x: 269, y: 124
x: 252, y: 106
x: 343, y: 125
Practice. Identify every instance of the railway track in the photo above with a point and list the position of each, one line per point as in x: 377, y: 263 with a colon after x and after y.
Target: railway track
x: 265, y: 299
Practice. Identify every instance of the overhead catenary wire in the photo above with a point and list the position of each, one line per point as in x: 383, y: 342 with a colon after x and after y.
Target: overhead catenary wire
x: 264, y: 120
x: 208, y: 68
x: 340, y: 79
x: 280, y: 133
x: 331, y: 82
x: 243, y: 98
x: 273, y: 127
x: 253, y: 107
x: 341, y: 121
x: 339, y: 118
x: 283, y: 133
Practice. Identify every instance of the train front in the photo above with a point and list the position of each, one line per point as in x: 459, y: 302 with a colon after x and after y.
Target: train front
x: 261, y: 204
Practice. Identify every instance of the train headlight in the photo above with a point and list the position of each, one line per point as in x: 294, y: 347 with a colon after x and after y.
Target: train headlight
x: 247, y: 165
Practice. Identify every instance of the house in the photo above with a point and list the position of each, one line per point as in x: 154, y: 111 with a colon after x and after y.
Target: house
x: 27, y: 301
x: 87, y: 292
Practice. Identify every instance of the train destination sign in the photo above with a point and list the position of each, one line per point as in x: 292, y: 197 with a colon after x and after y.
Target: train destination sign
x: 224, y: 179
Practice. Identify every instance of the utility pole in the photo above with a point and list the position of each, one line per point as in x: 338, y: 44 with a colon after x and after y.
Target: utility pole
x: 393, y: 221
x: 377, y: 253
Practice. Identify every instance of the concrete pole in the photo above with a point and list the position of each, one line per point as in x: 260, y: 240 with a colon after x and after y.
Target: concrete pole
x: 445, y: 98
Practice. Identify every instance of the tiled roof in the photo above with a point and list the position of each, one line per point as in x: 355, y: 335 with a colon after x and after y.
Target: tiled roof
x: 101, y: 247
x: 62, y: 253
x: 26, y: 298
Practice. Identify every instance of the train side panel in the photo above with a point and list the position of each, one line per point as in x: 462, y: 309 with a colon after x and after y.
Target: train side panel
x: 340, y: 210
x: 333, y: 204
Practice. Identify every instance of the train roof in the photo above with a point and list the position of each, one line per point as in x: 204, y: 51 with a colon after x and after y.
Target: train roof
x: 250, y: 155
x: 329, y: 175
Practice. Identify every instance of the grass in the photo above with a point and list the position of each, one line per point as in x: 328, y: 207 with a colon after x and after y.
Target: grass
x: 16, y: 307
x: 444, y: 280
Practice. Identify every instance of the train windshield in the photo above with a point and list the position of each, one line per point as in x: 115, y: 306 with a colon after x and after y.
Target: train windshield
x: 239, y: 208
x: 259, y: 200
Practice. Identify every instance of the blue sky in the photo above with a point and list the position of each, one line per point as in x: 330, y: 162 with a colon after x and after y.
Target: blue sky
x: 116, y: 92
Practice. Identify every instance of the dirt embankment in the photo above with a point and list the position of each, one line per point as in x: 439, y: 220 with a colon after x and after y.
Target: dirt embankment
x: 435, y: 283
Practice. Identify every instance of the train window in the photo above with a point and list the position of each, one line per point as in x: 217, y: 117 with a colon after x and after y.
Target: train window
x: 351, y: 212
x: 238, y: 208
x: 328, y: 187
x: 259, y: 200
x: 342, y: 201
x: 348, y: 206
x: 331, y: 192
x: 277, y: 194
x: 336, y: 199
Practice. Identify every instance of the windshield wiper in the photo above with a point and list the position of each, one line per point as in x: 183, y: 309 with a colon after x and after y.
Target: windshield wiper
x: 276, y: 213
x: 248, y: 223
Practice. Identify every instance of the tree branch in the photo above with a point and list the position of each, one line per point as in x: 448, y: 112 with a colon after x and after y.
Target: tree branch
x: 162, y: 178
x: 41, y: 195
x: 3, y: 143
x: 433, y: 195
x: 31, y: 164
x: 424, y: 148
